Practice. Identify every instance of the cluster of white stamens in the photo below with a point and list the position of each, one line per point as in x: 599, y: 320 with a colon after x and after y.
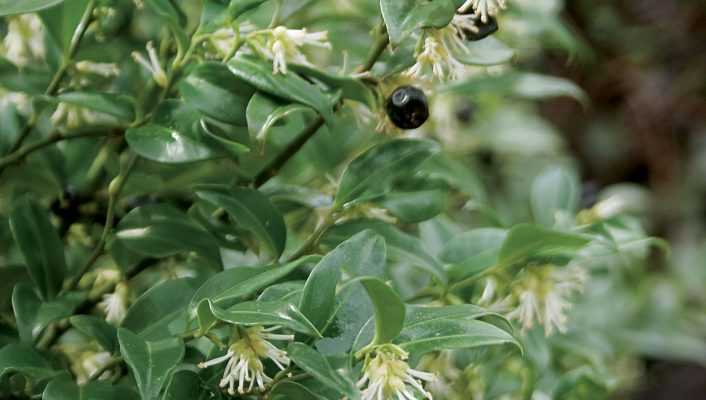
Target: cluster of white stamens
x: 244, y: 358
x: 386, y: 375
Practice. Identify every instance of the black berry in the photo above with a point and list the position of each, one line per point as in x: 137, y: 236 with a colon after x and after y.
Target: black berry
x: 407, y: 107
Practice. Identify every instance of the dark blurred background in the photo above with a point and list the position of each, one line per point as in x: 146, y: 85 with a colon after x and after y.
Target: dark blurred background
x: 645, y: 73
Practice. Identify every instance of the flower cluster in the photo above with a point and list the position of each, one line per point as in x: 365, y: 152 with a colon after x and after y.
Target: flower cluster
x: 115, y: 304
x: 153, y: 65
x: 386, y: 375
x: 244, y: 359
x: 283, y: 45
x: 542, y: 294
x: 24, y: 41
x: 483, y: 9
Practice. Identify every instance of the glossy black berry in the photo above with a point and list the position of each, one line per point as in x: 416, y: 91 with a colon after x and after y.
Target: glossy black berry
x: 407, y: 107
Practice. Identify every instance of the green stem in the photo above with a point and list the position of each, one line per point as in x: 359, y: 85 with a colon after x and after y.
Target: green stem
x: 20, y: 154
x: 313, y: 240
x: 116, y: 186
x: 59, y: 75
x: 381, y: 42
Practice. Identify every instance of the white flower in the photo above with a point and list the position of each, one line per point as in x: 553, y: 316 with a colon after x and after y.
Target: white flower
x: 19, y: 100
x: 386, y: 375
x: 483, y: 8
x: 115, y: 304
x: 244, y: 359
x: 542, y: 295
x: 283, y: 45
x: 105, y: 70
x: 437, y: 56
x: 610, y: 207
x: 71, y: 116
x: 443, y: 366
x: 154, y: 66
x: 24, y: 40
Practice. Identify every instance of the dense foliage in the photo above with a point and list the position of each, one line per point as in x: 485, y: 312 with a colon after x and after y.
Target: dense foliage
x: 302, y: 199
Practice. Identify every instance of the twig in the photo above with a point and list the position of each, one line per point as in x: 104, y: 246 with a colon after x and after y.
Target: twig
x: 60, y: 73
x: 116, y: 186
x: 20, y: 154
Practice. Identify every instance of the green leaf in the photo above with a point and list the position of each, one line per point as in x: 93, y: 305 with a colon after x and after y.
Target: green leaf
x: 185, y: 385
x: 363, y: 254
x: 288, y: 87
x: 239, y: 7
x: 555, y: 190
x: 40, y: 245
x: 371, y: 173
x: 264, y: 113
x: 451, y: 334
x: 159, y: 230
x: 404, y: 16
x: 351, y: 88
x: 213, y: 90
x: 28, y: 79
x: 62, y: 22
x: 288, y: 390
x: 151, y: 363
x: 279, y: 313
x: 312, y: 362
x: 23, y: 359
x: 173, y: 136
x: 472, y: 252
x: 240, y: 282
x: 64, y: 388
x: 290, y: 291
x: 417, y: 206
x: 161, y: 312
x: 400, y: 245
x: 489, y: 51
x: 253, y: 211
x: 119, y: 106
x: 525, y: 241
x: 11, y: 7
x: 105, y: 334
x: 389, y: 309
x: 537, y: 86
x: 33, y: 315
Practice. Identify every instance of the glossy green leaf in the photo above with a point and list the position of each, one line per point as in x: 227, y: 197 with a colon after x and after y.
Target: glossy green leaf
x: 64, y: 388
x: 33, y: 314
x: 264, y: 113
x: 450, y: 334
x: 288, y: 390
x: 404, y: 16
x: 28, y: 79
x: 473, y: 252
x: 361, y: 255
x: 219, y: 138
x: 119, y: 106
x: 400, y: 245
x: 418, y: 206
x: 239, y: 7
x: 213, y: 90
x: 161, y: 312
x: 185, y: 385
x: 240, y: 282
x: 351, y: 88
x: 150, y: 363
x: 25, y: 360
x: 317, y: 366
x: 526, y: 241
x: 173, y: 136
x: 285, y: 291
x: 11, y: 7
x: 40, y: 245
x: 279, y: 313
x: 160, y: 230
x: 62, y: 22
x: 489, y: 51
x: 105, y: 334
x: 371, y: 173
x: 159, y: 143
x: 252, y: 211
x: 289, y: 87
x: 389, y: 309
x: 555, y: 190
